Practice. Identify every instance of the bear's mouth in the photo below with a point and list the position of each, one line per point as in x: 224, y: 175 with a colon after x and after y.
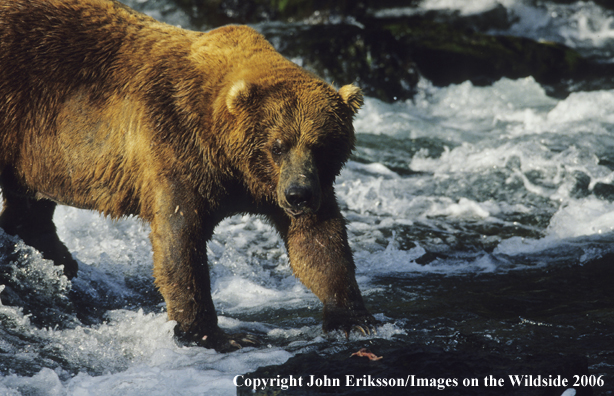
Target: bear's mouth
x: 295, y: 212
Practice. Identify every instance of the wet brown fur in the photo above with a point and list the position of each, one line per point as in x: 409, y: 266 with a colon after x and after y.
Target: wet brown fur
x: 107, y: 109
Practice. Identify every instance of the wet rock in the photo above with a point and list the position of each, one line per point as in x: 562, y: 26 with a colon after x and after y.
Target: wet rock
x: 449, y: 55
x: 439, y: 368
x: 604, y: 191
x: 580, y: 188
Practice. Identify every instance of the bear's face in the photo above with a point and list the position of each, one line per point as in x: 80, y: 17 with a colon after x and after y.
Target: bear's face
x: 299, y: 135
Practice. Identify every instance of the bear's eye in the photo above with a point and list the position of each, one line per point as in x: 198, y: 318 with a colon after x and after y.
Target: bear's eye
x: 278, y: 148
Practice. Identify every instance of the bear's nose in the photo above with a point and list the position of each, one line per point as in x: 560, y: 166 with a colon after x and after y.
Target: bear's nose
x: 298, y: 196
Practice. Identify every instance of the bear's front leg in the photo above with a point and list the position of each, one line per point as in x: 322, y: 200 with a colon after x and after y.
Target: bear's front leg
x: 321, y: 258
x: 179, y: 241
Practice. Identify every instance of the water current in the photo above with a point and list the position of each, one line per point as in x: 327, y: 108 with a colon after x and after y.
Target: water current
x: 473, y: 212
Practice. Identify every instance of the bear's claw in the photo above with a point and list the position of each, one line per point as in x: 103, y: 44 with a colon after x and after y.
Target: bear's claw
x: 223, y: 342
x: 237, y: 341
x: 348, y: 320
x: 366, y: 329
x: 219, y: 340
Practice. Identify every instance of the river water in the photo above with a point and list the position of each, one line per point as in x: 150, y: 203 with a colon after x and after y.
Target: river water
x: 481, y: 211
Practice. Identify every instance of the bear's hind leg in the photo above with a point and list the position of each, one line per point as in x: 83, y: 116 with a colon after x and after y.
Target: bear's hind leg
x: 32, y: 221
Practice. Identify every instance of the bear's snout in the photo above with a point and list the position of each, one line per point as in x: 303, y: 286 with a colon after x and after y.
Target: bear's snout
x: 298, y: 196
x: 298, y: 191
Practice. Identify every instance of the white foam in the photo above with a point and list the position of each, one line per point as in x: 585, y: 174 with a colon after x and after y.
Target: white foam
x: 594, y: 25
x: 459, y: 113
x: 577, y: 218
x: 581, y: 25
x: 512, y: 128
x: 194, y: 371
x: 465, y: 7
x: 464, y: 209
x: 46, y: 382
x: 379, y: 118
x: 135, y: 353
x: 584, y: 106
x: 239, y: 294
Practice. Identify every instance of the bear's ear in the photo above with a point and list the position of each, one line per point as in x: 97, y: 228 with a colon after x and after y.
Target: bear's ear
x: 352, y: 96
x: 239, y: 95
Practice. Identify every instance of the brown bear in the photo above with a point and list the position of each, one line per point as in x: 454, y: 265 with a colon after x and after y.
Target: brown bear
x: 107, y: 109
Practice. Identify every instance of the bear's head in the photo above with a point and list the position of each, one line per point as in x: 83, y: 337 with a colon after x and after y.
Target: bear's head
x: 295, y: 138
